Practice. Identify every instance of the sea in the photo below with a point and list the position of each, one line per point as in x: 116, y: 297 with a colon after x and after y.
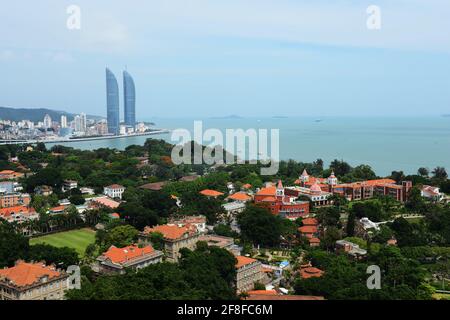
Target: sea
x: 385, y: 143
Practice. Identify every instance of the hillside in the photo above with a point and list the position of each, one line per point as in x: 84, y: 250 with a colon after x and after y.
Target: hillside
x: 35, y: 115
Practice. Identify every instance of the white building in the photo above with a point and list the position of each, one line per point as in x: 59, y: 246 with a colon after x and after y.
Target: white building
x: 47, y: 122
x: 81, y: 123
x: 114, y: 191
x: 63, y: 121
x: 432, y: 193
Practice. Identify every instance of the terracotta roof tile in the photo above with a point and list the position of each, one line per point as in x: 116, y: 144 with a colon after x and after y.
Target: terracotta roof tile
x: 23, y: 274
x: 240, y: 196
x: 243, y: 261
x: 122, y: 255
x: 211, y: 193
x: 169, y: 231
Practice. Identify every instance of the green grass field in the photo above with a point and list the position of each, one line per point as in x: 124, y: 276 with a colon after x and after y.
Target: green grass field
x: 76, y: 239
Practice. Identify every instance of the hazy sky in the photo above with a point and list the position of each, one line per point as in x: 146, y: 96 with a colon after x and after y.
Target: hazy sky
x: 221, y: 57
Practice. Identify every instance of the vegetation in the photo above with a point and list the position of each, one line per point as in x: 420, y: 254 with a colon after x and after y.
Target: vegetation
x: 78, y: 240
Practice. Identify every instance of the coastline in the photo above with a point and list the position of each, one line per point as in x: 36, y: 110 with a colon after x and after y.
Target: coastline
x: 161, y: 131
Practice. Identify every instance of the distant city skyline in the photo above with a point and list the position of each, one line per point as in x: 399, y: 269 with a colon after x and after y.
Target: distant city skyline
x: 216, y: 58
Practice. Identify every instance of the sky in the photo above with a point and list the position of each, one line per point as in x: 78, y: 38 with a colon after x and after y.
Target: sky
x: 209, y: 58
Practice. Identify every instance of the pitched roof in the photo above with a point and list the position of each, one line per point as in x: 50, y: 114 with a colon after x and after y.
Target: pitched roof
x: 115, y: 186
x: 6, y: 212
x: 310, y: 222
x: 243, y: 261
x: 58, y: 208
x: 263, y: 292
x: 314, y: 240
x: 240, y: 196
x: 311, y: 272
x: 308, y: 229
x: 247, y: 186
x: 107, y: 202
x: 211, y: 193
x: 269, y: 191
x: 280, y: 185
x: 122, y: 255
x: 169, y: 231
x: 23, y: 274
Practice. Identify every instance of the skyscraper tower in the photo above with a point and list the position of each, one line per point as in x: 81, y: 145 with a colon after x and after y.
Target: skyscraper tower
x: 129, y: 94
x: 112, y: 103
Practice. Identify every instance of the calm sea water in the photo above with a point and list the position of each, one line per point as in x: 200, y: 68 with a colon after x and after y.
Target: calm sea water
x: 386, y: 144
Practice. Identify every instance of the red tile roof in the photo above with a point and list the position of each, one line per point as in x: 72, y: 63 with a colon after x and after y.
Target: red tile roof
x: 243, y: 261
x: 263, y: 292
x: 211, y: 193
x: 311, y: 272
x: 269, y: 191
x: 122, y: 255
x: 6, y: 212
x: 269, y: 199
x: 169, y: 231
x: 58, y: 208
x: 308, y: 229
x: 310, y: 222
x: 107, y: 202
x: 115, y: 186
x: 240, y: 196
x: 24, y: 274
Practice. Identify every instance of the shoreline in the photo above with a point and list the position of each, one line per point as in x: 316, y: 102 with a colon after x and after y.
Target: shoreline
x: 161, y: 131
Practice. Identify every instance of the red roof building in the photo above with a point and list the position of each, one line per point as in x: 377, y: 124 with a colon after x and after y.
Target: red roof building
x: 117, y: 259
x: 280, y: 204
x: 27, y: 281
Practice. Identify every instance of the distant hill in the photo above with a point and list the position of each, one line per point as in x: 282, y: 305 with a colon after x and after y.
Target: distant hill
x: 35, y: 115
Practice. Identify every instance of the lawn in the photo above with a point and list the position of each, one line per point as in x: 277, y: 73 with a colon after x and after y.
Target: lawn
x: 76, y: 239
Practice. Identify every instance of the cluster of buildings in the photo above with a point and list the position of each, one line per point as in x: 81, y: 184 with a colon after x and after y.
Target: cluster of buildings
x: 81, y: 126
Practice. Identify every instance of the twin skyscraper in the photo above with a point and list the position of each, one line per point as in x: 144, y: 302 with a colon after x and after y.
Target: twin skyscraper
x: 112, y: 102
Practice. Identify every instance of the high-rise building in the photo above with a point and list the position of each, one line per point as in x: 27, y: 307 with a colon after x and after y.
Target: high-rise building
x: 47, y: 122
x: 83, y: 121
x: 78, y: 126
x: 63, y: 121
x: 112, y: 102
x: 129, y: 100
x: 80, y: 123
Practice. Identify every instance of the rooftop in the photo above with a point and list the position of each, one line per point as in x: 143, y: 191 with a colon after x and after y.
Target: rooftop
x: 169, y: 231
x: 240, y: 196
x: 25, y: 274
x: 122, y: 255
x: 243, y: 261
x: 211, y: 193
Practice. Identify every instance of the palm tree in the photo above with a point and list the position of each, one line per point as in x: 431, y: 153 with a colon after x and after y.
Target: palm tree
x: 440, y: 173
